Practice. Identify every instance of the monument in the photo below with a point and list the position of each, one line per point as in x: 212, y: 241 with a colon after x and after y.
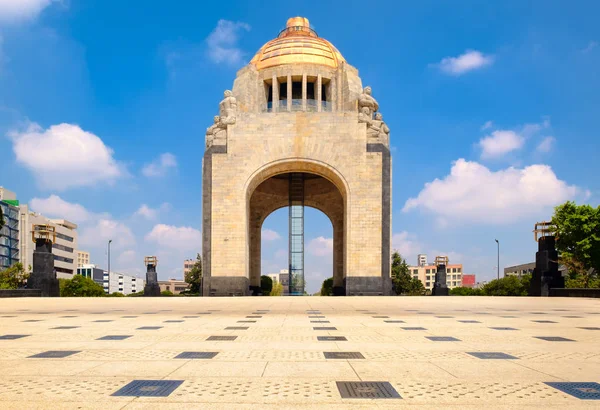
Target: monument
x: 546, y: 275
x: 297, y: 129
x: 151, y: 288
x: 43, y: 275
x: 440, y: 288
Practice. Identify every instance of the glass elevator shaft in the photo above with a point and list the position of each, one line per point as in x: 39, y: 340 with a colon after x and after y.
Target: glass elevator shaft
x: 296, y: 247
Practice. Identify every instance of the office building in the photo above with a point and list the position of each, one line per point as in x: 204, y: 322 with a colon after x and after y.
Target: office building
x: 113, y: 282
x: 282, y: 277
x: 9, y: 234
x: 64, y: 248
x: 188, y: 264
x: 83, y: 258
x: 426, y: 274
x: 176, y: 286
x: 520, y: 270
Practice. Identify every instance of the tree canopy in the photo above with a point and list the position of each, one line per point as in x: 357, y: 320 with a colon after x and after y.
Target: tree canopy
x: 194, y: 276
x: 80, y: 286
x: 277, y: 289
x: 578, y: 242
x: 13, y: 277
x: 266, y: 284
x: 327, y: 287
x: 404, y: 283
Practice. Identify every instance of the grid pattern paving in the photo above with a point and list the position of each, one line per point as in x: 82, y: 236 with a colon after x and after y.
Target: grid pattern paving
x: 497, y: 354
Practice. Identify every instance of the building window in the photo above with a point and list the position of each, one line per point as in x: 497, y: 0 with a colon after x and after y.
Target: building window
x: 65, y: 237
x: 458, y: 270
x: 62, y: 247
x: 61, y: 259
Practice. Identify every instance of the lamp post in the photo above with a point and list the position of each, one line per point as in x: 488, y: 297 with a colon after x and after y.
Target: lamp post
x: 498, y: 267
x: 110, y: 240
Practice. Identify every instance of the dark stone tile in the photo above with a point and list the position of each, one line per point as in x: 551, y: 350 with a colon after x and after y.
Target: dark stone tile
x: 221, y: 338
x: 196, y: 355
x: 380, y: 317
x: 32, y: 320
x: 103, y: 321
x: 413, y: 328
x: 114, y: 337
x: 12, y: 337
x: 367, y: 390
x: 316, y: 317
x: 469, y: 321
x: 589, y: 328
x: 491, y: 355
x: 503, y: 328
x: 148, y: 388
x: 319, y: 321
x: 174, y: 321
x: 128, y: 317
x: 580, y: 390
x: 54, y: 354
x: 445, y: 317
x: 236, y: 328
x: 554, y: 339
x: 325, y: 328
x: 246, y: 321
x: 149, y: 328
x: 253, y: 317
x: 544, y: 321
x: 394, y: 321
x: 332, y: 338
x: 64, y: 327
x: 442, y: 339
x: 343, y: 355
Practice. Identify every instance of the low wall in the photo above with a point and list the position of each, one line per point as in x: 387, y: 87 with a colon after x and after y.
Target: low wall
x: 20, y: 293
x: 575, y: 292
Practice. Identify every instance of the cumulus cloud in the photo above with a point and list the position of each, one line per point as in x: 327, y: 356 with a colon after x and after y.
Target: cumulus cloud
x: 320, y: 246
x: 469, y: 61
x: 98, y: 234
x: 151, y: 213
x: 56, y: 207
x: 18, y: 10
x: 223, y: 42
x: 128, y: 258
x: 472, y: 192
x: 175, y: 237
x: 269, y: 235
x: 64, y: 156
x: 499, y: 143
x: 546, y: 145
x: 160, y: 166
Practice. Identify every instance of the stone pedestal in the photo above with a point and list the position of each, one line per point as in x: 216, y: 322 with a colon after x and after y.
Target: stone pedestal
x: 546, y: 275
x: 151, y: 288
x: 440, y: 288
x: 43, y: 276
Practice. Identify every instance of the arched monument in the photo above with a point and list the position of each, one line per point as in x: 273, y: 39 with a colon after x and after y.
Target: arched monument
x: 298, y: 129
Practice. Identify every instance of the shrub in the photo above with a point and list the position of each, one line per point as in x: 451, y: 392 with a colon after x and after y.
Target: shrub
x: 80, y: 286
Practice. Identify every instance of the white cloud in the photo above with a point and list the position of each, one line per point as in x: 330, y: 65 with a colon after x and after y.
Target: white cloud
x: 487, y: 125
x: 472, y: 192
x: 320, y: 246
x: 17, y: 10
x: 160, y: 166
x: 470, y: 60
x: 546, y: 145
x: 499, y: 143
x: 128, y: 258
x: 64, y: 156
x: 98, y: 234
x: 55, y: 207
x: 176, y: 237
x: 269, y: 235
x: 405, y: 244
x: 223, y: 42
x: 591, y: 45
x: 151, y: 213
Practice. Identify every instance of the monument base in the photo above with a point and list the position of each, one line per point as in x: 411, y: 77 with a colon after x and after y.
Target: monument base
x: 365, y: 286
x: 440, y: 290
x: 256, y: 291
x: 152, y: 289
x: 339, y: 291
x: 43, y: 276
x: 228, y: 286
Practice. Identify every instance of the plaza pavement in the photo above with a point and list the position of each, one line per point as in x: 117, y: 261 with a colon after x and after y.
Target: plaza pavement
x: 277, y: 360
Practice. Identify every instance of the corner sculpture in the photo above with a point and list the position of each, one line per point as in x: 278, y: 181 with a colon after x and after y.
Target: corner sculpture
x: 367, y: 113
x: 151, y: 288
x: 43, y: 276
x: 440, y: 288
x: 546, y: 275
x: 216, y: 134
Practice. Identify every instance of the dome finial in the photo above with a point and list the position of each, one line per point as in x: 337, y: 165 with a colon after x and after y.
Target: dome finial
x: 298, y: 22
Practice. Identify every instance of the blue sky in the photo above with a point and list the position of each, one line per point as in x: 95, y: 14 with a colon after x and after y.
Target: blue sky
x: 493, y: 108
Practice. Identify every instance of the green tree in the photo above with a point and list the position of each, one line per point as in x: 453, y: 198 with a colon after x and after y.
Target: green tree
x: 277, y: 289
x: 506, y: 286
x: 401, y: 275
x: 194, y: 276
x: 116, y: 295
x: 578, y: 242
x: 80, y: 286
x: 266, y: 284
x: 416, y: 287
x: 465, y: 291
x: 166, y: 293
x: 13, y: 277
x: 136, y: 294
x: 327, y: 287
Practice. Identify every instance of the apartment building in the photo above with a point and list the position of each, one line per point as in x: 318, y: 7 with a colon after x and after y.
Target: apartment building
x: 9, y: 234
x: 113, y: 282
x: 83, y: 258
x: 188, y: 264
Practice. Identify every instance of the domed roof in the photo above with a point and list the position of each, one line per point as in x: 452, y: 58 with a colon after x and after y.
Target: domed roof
x: 297, y: 44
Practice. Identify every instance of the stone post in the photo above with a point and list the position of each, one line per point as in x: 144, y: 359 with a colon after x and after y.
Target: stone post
x: 546, y: 275
x: 43, y: 276
x: 440, y: 288
x: 151, y: 288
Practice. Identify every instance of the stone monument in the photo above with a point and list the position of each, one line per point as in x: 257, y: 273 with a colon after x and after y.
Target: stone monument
x: 297, y: 129
x: 151, y: 288
x: 43, y: 275
x: 546, y: 274
x: 440, y: 288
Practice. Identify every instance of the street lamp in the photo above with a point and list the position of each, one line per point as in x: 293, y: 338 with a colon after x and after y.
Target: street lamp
x: 498, y: 267
x: 110, y: 240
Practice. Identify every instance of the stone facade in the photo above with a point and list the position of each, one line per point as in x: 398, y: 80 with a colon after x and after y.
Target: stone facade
x: 348, y: 175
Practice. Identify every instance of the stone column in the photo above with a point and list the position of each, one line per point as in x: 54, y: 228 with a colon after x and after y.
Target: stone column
x: 255, y: 257
x: 338, y: 258
x: 304, y: 92
x: 319, y: 88
x: 43, y: 276
x: 289, y: 92
x: 440, y: 288
x: 151, y: 288
x: 275, y: 88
